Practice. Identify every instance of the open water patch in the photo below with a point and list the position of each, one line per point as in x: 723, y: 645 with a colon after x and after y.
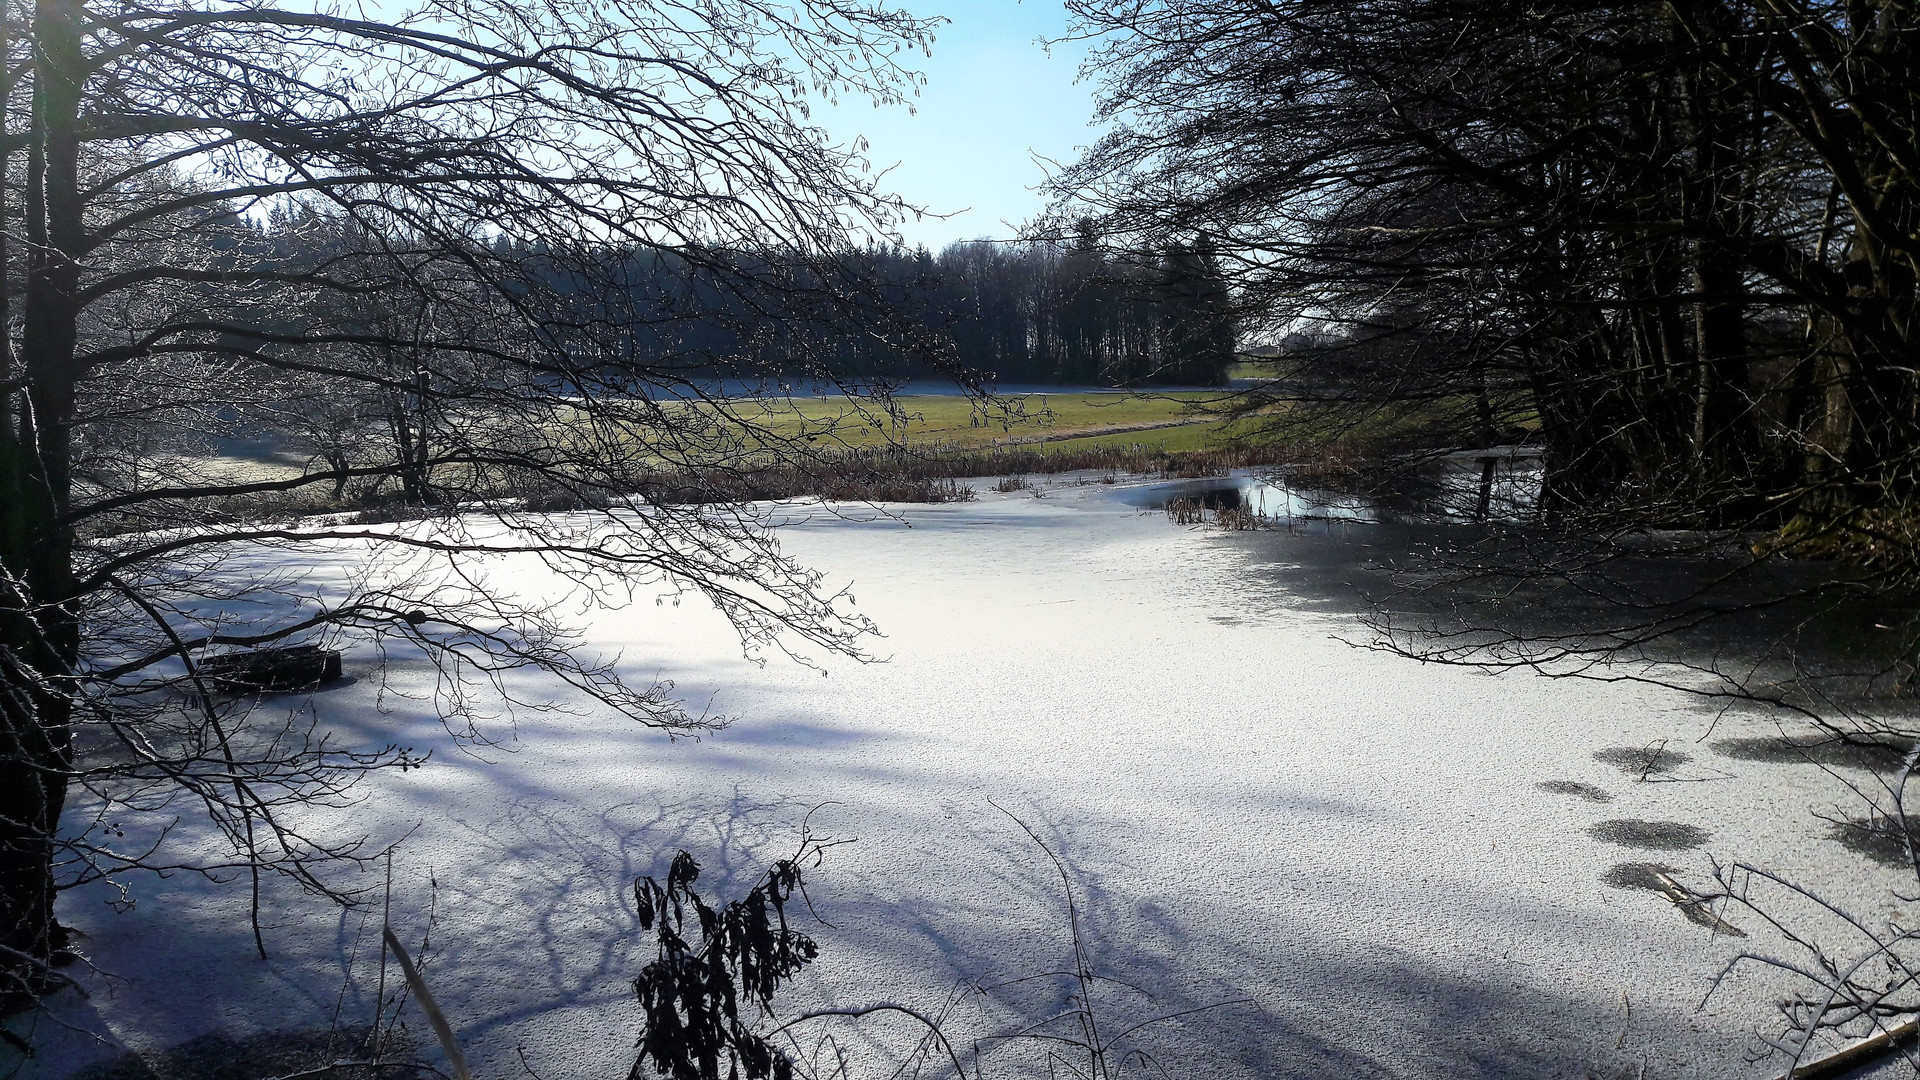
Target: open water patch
x: 1650, y: 835
x: 1576, y: 789
x: 1267, y: 498
x: 1495, y: 484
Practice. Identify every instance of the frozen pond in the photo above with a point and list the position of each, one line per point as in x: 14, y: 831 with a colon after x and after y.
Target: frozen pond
x: 1357, y: 848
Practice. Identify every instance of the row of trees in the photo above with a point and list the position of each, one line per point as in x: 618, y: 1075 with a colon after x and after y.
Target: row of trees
x: 1034, y: 312
x: 1040, y: 312
x: 1074, y: 314
x: 699, y: 323
x: 1678, y: 241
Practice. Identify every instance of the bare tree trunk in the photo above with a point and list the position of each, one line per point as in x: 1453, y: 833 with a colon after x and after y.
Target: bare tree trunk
x: 42, y: 632
x: 1723, y: 427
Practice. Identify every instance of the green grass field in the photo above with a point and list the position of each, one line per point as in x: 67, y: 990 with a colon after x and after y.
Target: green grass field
x: 1032, y: 431
x: 958, y: 423
x: 1186, y: 438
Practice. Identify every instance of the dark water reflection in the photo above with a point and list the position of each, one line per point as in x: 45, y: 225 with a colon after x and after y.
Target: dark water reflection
x: 1501, y: 484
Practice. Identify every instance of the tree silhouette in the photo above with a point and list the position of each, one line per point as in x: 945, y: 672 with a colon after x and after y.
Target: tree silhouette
x: 433, y: 221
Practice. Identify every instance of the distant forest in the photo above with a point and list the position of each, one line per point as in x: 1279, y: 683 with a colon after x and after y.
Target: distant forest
x: 1030, y: 312
x: 1073, y: 314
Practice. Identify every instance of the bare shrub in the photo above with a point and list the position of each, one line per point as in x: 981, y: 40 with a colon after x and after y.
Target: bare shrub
x: 1185, y: 511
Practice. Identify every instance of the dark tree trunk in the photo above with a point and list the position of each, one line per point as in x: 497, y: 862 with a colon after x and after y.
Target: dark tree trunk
x: 1725, y: 437
x: 42, y: 631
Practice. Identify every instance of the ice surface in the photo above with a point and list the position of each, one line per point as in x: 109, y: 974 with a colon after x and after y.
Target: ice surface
x: 1247, y: 805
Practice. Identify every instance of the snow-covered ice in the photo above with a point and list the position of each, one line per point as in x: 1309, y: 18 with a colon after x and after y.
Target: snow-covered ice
x: 1248, y: 806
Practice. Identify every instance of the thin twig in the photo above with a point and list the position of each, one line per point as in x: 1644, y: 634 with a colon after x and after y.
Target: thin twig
x: 441, y: 1029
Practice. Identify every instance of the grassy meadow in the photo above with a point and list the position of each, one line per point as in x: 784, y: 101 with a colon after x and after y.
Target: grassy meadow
x: 933, y: 423
x: 910, y: 449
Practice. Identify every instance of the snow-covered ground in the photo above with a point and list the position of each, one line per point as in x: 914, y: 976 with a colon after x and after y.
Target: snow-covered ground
x: 1247, y: 806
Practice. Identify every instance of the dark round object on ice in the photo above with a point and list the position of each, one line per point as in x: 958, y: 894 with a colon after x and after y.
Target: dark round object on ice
x: 1576, y: 789
x: 1643, y: 761
x: 1877, y: 838
x: 1639, y: 875
x: 292, y: 667
x: 1654, y: 835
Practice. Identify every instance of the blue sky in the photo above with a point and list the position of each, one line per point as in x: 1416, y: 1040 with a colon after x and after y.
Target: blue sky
x: 994, y: 98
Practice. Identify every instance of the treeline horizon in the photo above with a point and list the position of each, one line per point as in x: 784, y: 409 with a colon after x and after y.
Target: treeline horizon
x: 1033, y: 311
x: 1029, y: 311
x: 1073, y: 314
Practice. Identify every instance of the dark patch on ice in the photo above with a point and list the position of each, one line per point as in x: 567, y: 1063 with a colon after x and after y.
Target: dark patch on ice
x: 1226, y: 620
x: 274, y: 1053
x: 1638, y: 875
x: 1878, y: 839
x: 1576, y: 788
x: 1815, y: 750
x: 327, y: 687
x: 1653, y: 835
x: 1216, y: 495
x: 1654, y: 759
x: 1697, y: 907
